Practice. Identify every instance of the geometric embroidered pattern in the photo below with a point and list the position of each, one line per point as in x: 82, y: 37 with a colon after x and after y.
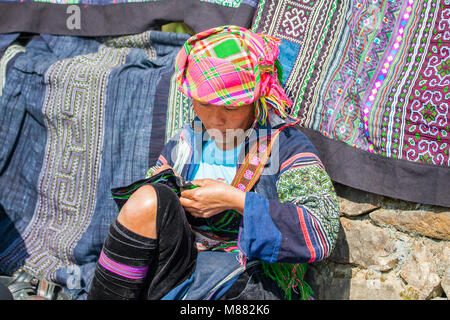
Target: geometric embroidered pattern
x: 372, y: 74
x: 309, y: 186
x: 179, y: 110
x: 137, y: 41
x: 74, y: 119
x: 7, y: 56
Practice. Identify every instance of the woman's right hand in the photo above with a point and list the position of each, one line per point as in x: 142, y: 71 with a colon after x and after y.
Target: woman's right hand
x: 162, y: 168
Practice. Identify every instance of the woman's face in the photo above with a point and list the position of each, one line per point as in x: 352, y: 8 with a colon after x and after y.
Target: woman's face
x: 225, y: 124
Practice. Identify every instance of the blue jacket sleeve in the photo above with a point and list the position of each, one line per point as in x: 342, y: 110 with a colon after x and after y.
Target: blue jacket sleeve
x: 301, y: 224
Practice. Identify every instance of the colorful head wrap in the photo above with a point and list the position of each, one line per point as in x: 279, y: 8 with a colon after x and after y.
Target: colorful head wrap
x: 233, y: 66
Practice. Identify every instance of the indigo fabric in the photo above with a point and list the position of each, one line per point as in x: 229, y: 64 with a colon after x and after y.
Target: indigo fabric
x: 5, y: 40
x: 77, y: 119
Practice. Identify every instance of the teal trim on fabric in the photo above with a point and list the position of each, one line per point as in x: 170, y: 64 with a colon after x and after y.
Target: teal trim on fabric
x: 287, y: 57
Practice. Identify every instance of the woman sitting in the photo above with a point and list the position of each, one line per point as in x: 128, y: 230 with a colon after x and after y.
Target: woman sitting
x: 238, y: 202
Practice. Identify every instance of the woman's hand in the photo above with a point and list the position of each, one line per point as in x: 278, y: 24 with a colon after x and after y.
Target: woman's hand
x: 160, y: 169
x: 212, y: 197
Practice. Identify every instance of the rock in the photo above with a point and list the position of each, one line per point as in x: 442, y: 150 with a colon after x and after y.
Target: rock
x: 361, y: 243
x: 333, y: 281
x: 370, y: 284
x: 410, y: 293
x: 386, y: 249
x: 445, y: 282
x: 431, y: 224
x: 329, y: 280
x: 354, y: 202
x: 350, y: 208
x: 421, y: 274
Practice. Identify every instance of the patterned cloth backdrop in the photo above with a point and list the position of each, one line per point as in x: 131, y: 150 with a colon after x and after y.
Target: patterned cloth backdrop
x: 369, y: 79
x: 371, y: 76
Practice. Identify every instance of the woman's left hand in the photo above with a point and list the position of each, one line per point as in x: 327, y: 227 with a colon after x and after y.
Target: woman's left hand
x: 212, y: 197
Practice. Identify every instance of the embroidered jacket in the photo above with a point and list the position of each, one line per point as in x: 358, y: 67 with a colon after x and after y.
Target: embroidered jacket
x: 291, y: 214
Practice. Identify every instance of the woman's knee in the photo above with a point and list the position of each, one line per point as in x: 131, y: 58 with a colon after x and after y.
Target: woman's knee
x: 139, y: 212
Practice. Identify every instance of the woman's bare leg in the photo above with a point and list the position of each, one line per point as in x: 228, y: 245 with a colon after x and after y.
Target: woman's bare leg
x: 139, y: 212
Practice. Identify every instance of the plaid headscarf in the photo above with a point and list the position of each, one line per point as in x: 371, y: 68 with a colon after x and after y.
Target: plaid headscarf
x: 233, y: 66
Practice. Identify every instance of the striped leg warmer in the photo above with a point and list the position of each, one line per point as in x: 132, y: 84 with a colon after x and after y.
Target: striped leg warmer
x: 123, y: 265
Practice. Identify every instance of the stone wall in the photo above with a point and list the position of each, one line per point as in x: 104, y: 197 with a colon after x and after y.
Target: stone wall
x: 387, y: 249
